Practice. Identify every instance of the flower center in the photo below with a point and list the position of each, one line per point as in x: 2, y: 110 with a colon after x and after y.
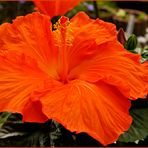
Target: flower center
x: 63, y: 38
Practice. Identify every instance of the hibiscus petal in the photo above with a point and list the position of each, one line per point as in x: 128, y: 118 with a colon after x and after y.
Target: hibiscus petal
x: 32, y: 112
x: 20, y: 77
x: 88, y: 34
x: 31, y: 35
x: 115, y: 66
x: 81, y: 19
x: 55, y: 7
x: 99, y: 110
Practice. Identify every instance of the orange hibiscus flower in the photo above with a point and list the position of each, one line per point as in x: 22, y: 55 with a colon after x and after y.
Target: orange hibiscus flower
x: 78, y: 74
x: 55, y: 7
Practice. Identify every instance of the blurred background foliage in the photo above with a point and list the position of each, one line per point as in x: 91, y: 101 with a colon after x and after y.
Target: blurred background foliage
x: 10, y: 10
x: 13, y: 132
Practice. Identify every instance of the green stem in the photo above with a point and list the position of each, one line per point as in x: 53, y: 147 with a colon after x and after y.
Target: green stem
x: 96, y: 9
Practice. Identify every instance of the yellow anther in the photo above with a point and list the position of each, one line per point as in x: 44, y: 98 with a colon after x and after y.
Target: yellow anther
x: 63, y: 33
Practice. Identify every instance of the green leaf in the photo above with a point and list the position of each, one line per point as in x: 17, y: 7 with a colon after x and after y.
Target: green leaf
x: 16, y: 133
x: 3, y: 118
x: 139, y: 127
x: 145, y: 55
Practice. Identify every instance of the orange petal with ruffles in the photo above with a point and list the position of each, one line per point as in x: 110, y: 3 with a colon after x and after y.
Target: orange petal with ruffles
x: 97, y: 54
x: 19, y: 78
x: 26, y: 35
x: 55, y: 7
x: 97, y: 109
x: 116, y: 68
x: 88, y: 34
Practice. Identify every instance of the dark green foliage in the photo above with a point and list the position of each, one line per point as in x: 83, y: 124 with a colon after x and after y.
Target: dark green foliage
x: 139, y: 127
x: 16, y: 133
x: 10, y: 10
x: 3, y: 118
x: 144, y: 53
